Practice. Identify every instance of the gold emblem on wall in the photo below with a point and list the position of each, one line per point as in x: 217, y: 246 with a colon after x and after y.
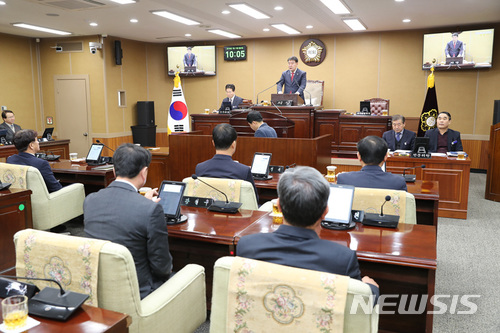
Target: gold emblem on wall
x: 312, y: 52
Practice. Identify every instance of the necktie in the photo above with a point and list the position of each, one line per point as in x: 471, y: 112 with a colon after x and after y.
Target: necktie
x: 293, y: 73
x: 398, y: 136
x: 13, y: 128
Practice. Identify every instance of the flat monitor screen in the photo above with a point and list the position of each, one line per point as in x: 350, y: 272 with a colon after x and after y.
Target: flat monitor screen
x: 340, y: 203
x: 468, y: 49
x: 197, y: 60
x: 47, y: 133
x: 170, y: 195
x: 94, y: 152
x: 421, y: 145
x: 260, y: 164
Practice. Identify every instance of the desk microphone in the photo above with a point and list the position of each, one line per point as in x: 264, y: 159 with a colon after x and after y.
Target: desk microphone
x: 293, y: 165
x: 106, y: 159
x: 266, y: 90
x: 220, y: 206
x: 53, y: 303
x: 310, y: 96
x: 277, y: 108
x: 411, y: 178
x: 99, y: 141
x: 381, y: 220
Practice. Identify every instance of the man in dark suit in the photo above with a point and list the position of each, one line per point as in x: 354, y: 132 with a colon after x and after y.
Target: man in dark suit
x: 231, y: 97
x: 8, y: 125
x: 120, y: 214
x: 454, y: 48
x: 189, y: 58
x: 372, y: 154
x: 222, y: 164
x: 27, y: 145
x: 443, y: 139
x: 262, y: 130
x: 294, y: 80
x: 399, y: 137
x: 303, y: 199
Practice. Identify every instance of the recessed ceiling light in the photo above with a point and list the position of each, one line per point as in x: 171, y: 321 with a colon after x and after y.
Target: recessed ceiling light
x: 406, y: 20
x: 224, y: 33
x: 266, y: 29
x: 124, y: 2
x: 93, y: 24
x: 355, y: 24
x: 34, y: 27
x: 134, y: 20
x: 187, y: 35
x: 2, y: 3
x: 278, y: 8
x: 286, y: 28
x: 336, y: 6
x: 399, y: 0
x: 250, y: 11
x: 175, y: 17
x: 309, y: 27
x: 225, y: 12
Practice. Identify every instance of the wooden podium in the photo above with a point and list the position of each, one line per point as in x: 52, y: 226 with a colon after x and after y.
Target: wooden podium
x: 294, y: 98
x: 492, y: 191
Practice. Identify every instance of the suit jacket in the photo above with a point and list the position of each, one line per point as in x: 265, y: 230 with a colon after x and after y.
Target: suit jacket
x: 223, y: 166
x: 43, y: 166
x: 372, y: 176
x: 454, y: 141
x: 406, y: 143
x: 302, y: 248
x: 234, y: 105
x: 121, y: 215
x: 10, y: 134
x: 265, y: 131
x: 457, y: 51
x: 298, y: 84
x: 189, y: 61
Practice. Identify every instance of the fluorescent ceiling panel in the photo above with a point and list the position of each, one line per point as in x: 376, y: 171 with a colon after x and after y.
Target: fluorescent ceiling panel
x: 355, y: 24
x: 250, y: 11
x: 175, y: 17
x: 336, y: 6
x: 224, y: 33
x: 37, y: 28
x: 286, y: 28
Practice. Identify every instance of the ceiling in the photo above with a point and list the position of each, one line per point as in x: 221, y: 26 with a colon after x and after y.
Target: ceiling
x: 377, y: 15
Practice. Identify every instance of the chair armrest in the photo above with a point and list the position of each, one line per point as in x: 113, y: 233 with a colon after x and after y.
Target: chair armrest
x: 69, y: 191
x: 266, y: 207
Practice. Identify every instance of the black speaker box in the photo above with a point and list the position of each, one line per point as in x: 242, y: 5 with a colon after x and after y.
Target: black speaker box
x: 496, y: 112
x: 145, y: 113
x: 118, y: 52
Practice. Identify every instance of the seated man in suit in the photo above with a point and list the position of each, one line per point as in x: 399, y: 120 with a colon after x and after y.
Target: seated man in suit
x: 294, y: 80
x: 222, y: 164
x: 303, y: 199
x: 231, y: 97
x: 8, y: 124
x: 27, y: 145
x: 120, y: 214
x: 398, y: 137
x: 443, y: 139
x: 372, y: 153
x: 262, y: 130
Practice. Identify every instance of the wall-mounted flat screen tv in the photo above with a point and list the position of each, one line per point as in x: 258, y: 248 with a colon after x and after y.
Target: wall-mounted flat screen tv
x: 468, y: 49
x: 198, y: 60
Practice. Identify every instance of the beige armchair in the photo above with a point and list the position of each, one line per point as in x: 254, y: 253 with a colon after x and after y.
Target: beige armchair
x: 48, y: 209
x: 246, y: 195
x: 179, y: 305
x: 402, y: 203
x: 354, y: 321
x: 316, y: 90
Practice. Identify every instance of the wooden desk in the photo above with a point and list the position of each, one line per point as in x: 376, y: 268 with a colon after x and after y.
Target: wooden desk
x: 56, y: 147
x: 88, y: 319
x: 402, y: 261
x: 15, y: 215
x: 93, y: 180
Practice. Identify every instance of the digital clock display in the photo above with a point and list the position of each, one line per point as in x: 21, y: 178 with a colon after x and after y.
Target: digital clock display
x: 234, y: 53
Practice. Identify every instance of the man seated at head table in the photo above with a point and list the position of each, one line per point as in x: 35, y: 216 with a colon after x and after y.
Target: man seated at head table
x: 262, y: 129
x: 399, y: 137
x: 443, y: 139
x: 8, y: 124
x: 303, y: 199
x: 27, y: 145
x: 222, y: 164
x: 118, y: 213
x: 372, y: 154
x: 231, y: 97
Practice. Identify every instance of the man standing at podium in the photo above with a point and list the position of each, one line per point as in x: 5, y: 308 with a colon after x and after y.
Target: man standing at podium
x: 454, y: 48
x: 294, y: 80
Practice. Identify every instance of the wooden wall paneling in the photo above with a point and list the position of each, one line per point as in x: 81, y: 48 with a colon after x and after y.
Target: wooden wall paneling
x: 492, y: 191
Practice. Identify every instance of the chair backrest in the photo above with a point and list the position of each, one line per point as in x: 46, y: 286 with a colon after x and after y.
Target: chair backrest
x: 402, y: 203
x: 246, y: 194
x: 377, y: 105
x: 356, y: 318
x: 316, y: 89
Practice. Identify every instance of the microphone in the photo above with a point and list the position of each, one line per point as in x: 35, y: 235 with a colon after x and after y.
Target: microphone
x: 381, y: 220
x: 411, y: 178
x: 266, y: 90
x: 99, y: 141
x: 220, y: 206
x: 53, y: 303
x: 106, y: 159
x: 293, y: 165
x: 277, y: 108
x: 310, y: 96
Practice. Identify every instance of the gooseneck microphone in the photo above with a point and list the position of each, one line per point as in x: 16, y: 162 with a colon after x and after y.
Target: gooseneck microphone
x: 387, y: 198
x: 106, y: 159
x: 381, y: 220
x: 411, y: 178
x: 310, y: 96
x: 277, y: 108
x: 99, y: 141
x: 258, y: 103
x: 220, y: 206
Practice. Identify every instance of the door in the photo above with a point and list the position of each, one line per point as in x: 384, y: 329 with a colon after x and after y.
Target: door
x: 72, y: 100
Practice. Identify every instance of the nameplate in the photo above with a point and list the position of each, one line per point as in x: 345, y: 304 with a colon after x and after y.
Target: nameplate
x: 196, y: 202
x: 276, y: 169
x: 363, y: 113
x: 284, y: 102
x: 421, y: 155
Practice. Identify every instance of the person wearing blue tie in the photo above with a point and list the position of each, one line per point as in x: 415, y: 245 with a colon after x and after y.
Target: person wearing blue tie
x: 399, y: 137
x: 292, y: 81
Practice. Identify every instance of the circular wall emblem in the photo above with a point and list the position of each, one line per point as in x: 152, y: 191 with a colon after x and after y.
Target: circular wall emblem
x: 312, y: 52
